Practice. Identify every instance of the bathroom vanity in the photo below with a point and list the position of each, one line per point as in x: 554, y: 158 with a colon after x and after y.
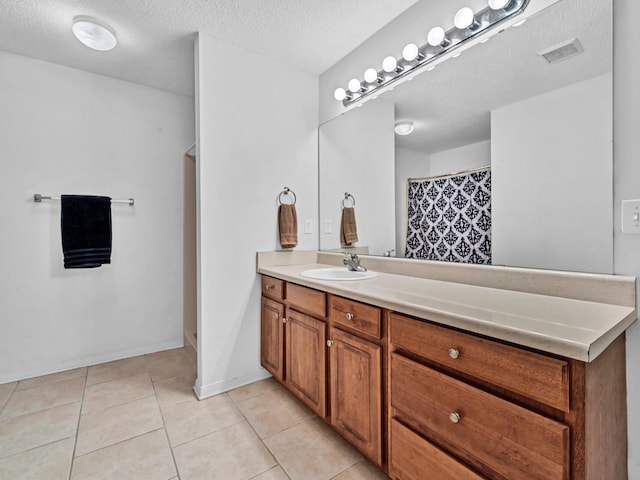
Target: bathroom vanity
x: 457, y: 372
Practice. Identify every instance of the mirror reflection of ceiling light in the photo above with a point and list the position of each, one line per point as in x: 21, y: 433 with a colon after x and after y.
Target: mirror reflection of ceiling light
x: 404, y: 127
x: 441, y: 44
x: 93, y: 34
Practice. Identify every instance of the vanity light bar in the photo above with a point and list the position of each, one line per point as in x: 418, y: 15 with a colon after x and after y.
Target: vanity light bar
x: 439, y: 43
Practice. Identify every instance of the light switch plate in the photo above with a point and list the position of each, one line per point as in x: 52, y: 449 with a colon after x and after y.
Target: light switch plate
x: 327, y: 225
x: 308, y: 226
x: 631, y: 216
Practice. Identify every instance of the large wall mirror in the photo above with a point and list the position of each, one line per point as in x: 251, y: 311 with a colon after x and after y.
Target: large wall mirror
x: 534, y: 103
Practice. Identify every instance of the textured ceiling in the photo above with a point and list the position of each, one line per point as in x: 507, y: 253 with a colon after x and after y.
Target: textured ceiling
x: 156, y: 36
x: 451, y: 105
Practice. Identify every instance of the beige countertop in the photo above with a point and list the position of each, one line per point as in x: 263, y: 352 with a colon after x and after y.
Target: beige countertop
x: 572, y: 328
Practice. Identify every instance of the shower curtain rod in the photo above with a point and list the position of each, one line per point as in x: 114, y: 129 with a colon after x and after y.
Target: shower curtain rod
x: 471, y: 170
x: 38, y: 197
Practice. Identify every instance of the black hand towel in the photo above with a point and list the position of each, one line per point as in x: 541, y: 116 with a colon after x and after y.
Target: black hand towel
x: 86, y: 230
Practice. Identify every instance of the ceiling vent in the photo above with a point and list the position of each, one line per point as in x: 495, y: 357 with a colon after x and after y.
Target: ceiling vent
x: 560, y: 52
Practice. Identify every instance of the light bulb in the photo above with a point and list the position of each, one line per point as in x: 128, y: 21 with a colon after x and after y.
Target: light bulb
x: 340, y: 94
x: 354, y: 85
x: 464, y: 18
x: 410, y: 52
x: 389, y: 64
x: 498, y: 4
x: 371, y: 75
x: 436, y: 37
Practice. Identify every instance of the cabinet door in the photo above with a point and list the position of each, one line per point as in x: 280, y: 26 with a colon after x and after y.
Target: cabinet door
x: 356, y: 403
x: 271, y: 338
x: 305, y: 359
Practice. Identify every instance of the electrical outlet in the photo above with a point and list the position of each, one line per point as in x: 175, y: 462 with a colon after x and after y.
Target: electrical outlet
x: 631, y: 216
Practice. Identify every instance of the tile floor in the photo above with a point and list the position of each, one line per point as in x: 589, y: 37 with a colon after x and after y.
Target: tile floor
x: 138, y: 419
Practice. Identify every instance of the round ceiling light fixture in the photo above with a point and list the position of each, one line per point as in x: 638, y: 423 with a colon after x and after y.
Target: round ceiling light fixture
x: 93, y: 34
x: 404, y: 127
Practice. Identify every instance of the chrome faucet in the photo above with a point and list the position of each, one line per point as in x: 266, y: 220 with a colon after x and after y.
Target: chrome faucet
x: 353, y: 263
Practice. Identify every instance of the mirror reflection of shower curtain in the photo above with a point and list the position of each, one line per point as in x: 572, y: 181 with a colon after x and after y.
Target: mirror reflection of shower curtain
x: 449, y: 217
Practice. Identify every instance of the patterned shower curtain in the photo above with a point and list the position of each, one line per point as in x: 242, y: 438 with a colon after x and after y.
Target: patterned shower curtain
x: 449, y: 218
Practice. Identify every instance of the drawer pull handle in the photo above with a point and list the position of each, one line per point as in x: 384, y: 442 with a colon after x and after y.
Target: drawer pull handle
x: 329, y: 343
x: 454, y: 417
x: 268, y: 287
x: 277, y: 315
x: 454, y: 353
x: 349, y: 316
x: 284, y: 320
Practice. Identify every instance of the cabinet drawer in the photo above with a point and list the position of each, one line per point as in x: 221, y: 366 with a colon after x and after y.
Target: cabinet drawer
x: 490, y: 432
x: 356, y: 316
x: 541, y: 378
x: 306, y: 299
x: 411, y: 457
x: 273, y: 288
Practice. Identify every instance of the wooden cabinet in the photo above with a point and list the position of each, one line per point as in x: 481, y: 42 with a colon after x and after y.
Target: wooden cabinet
x: 411, y: 457
x: 306, y: 359
x: 293, y: 343
x: 501, y: 412
x: 426, y: 401
x: 356, y: 395
x: 488, y: 432
x: 272, y: 337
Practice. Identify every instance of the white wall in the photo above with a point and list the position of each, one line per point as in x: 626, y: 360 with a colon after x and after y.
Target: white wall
x: 357, y: 156
x: 409, y: 164
x: 462, y: 158
x: 68, y: 131
x: 626, y: 169
x: 551, y: 188
x: 257, y: 132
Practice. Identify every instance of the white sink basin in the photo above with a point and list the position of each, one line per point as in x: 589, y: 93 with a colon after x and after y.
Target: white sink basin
x: 340, y: 274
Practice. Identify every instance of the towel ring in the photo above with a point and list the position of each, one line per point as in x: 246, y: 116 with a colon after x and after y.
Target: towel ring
x: 348, y: 198
x: 287, y: 191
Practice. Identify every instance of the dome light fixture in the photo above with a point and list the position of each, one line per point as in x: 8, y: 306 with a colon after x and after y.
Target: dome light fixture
x: 93, y: 34
x: 404, y: 127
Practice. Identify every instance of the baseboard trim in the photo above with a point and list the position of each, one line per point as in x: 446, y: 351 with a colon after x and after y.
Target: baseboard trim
x: 209, y: 390
x: 89, y: 360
